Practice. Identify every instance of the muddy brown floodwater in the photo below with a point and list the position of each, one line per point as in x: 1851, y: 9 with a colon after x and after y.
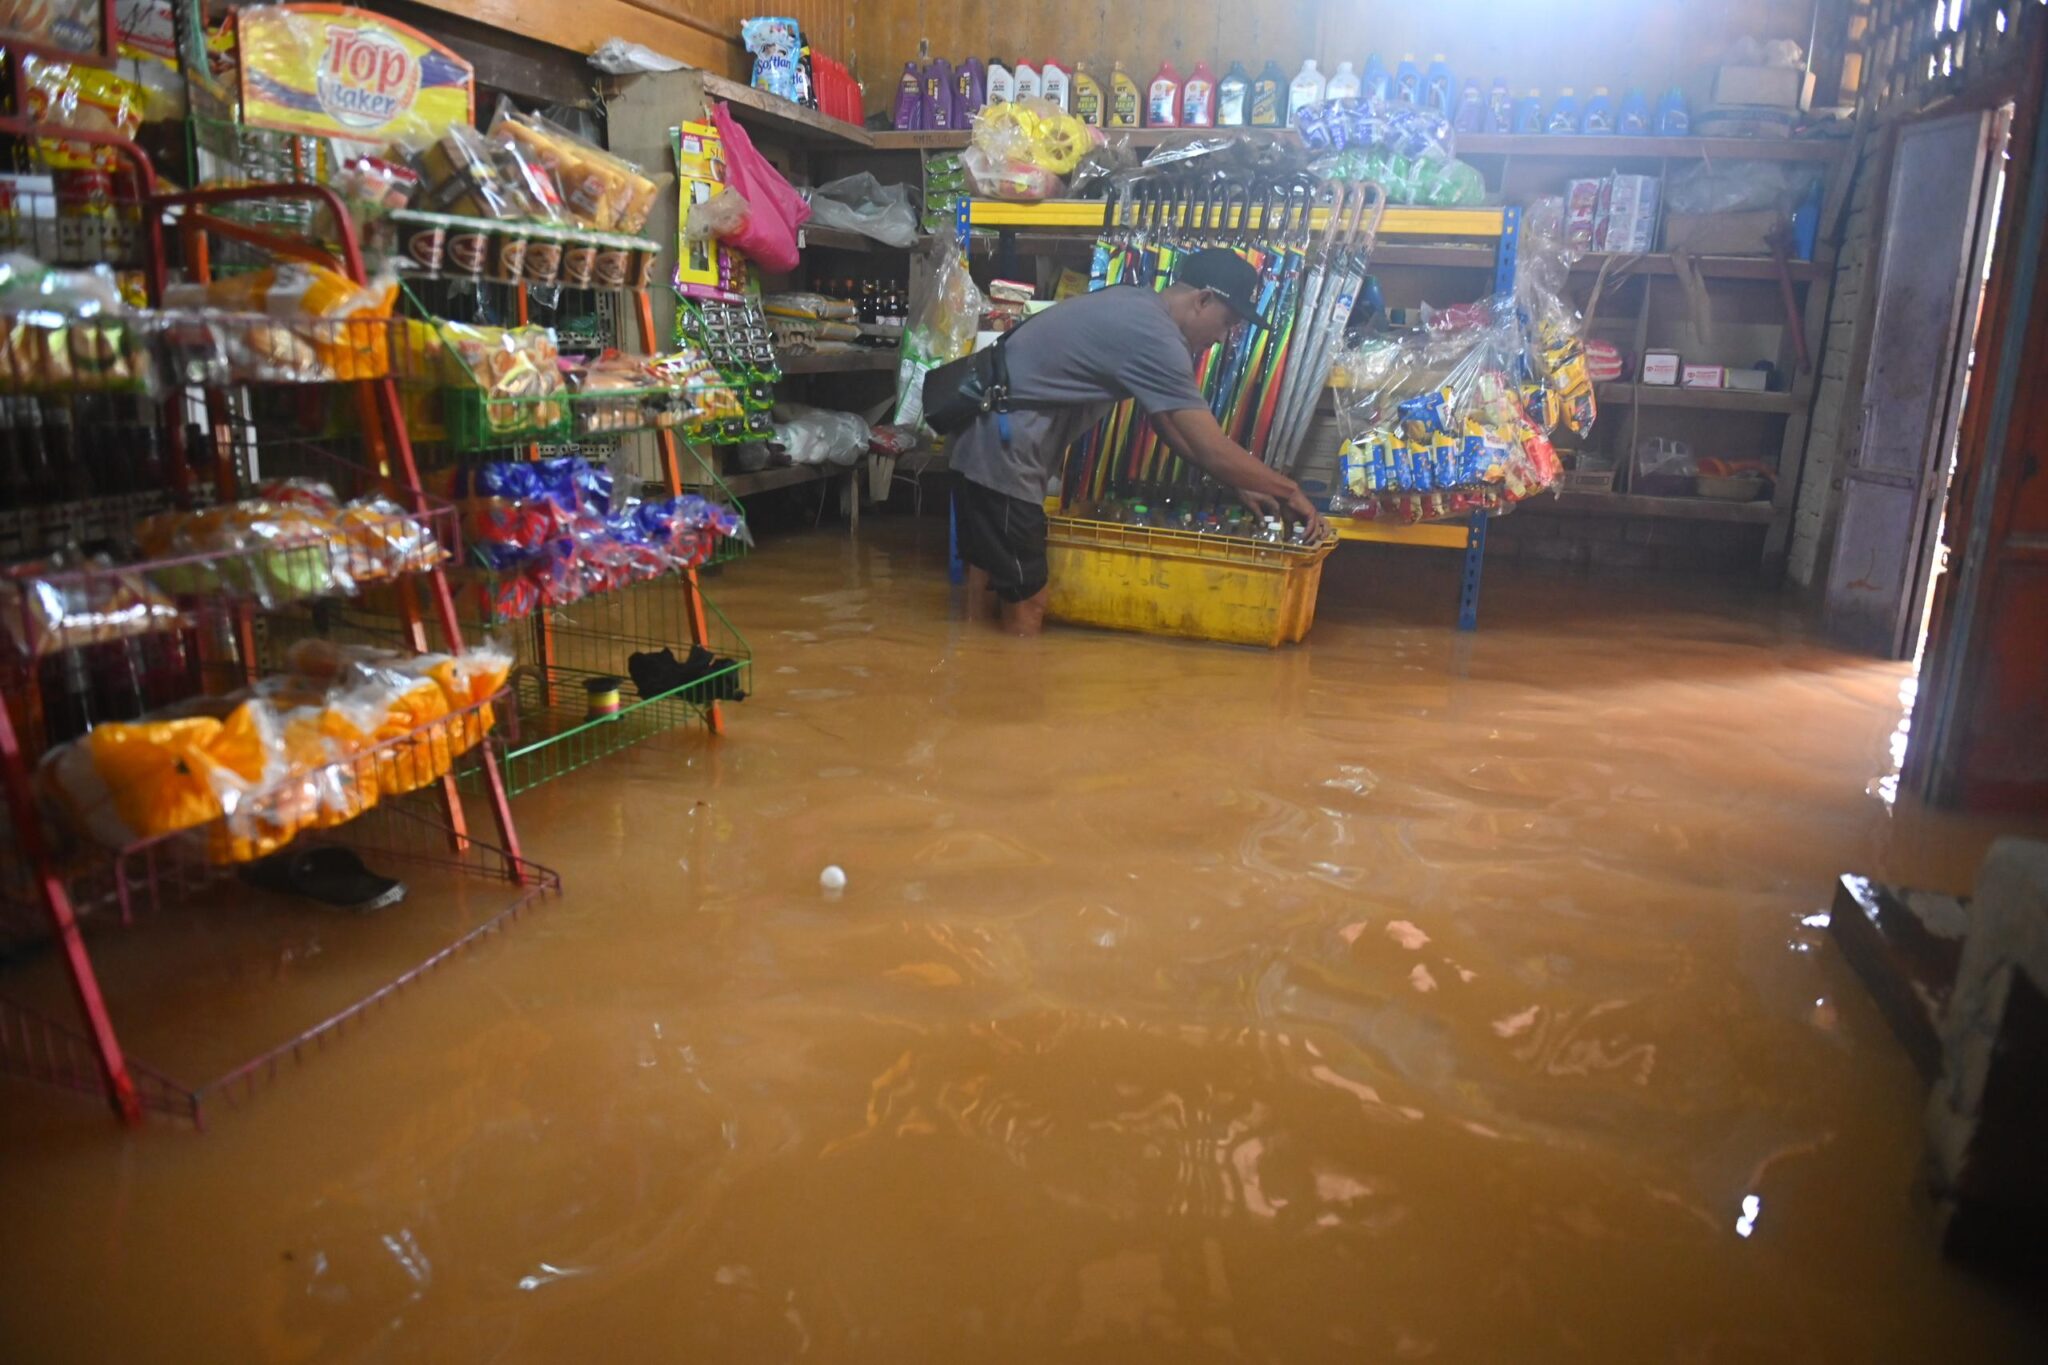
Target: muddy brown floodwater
x: 1403, y: 996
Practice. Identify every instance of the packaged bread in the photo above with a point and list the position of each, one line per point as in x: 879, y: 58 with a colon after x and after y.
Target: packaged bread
x: 305, y: 308
x: 598, y: 190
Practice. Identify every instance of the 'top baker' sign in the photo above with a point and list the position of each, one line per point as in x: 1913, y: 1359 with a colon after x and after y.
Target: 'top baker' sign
x: 333, y: 71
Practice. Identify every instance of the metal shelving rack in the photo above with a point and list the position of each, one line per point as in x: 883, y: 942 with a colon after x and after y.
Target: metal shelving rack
x: 216, y: 446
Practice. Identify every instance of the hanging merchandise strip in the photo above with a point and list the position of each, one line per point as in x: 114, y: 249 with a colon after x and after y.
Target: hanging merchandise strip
x: 1263, y: 384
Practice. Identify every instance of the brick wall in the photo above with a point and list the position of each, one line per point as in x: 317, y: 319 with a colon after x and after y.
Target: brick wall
x: 1838, y: 396
x: 1626, y: 543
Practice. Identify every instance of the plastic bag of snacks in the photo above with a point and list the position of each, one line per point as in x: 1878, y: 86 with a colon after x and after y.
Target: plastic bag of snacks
x: 942, y: 331
x: 124, y: 781
x: 1559, y: 381
x: 595, y: 188
x: 299, y: 322
x: 85, y: 99
x: 1438, y: 426
x: 516, y: 367
x: 46, y: 608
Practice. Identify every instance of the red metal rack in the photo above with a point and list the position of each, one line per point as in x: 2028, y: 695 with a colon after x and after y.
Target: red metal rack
x: 212, y: 600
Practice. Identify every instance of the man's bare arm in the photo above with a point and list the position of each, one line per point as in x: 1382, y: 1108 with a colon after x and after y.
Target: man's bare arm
x: 1195, y: 436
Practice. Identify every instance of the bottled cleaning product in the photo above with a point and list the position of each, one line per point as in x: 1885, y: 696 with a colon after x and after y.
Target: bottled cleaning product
x: 1599, y: 115
x: 1471, y: 114
x: 1198, y: 98
x: 1028, y: 87
x: 1674, y: 118
x: 1306, y: 89
x: 1564, y: 115
x: 1162, y: 98
x: 1087, y: 96
x: 1269, y: 96
x: 1002, y: 86
x: 1529, y: 113
x: 1634, y: 119
x: 1344, y: 85
x: 910, y: 98
x: 1408, y: 80
x: 1233, y: 97
x: 1500, y: 107
x: 1378, y: 86
x: 970, y: 91
x: 938, y: 95
x: 1123, y: 98
x: 1438, y: 92
x: 1056, y: 86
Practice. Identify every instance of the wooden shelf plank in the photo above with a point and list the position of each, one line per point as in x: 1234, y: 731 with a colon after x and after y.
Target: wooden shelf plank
x: 781, y: 476
x: 844, y: 239
x: 1702, y: 400
x: 841, y: 362
x: 773, y: 114
x: 1613, y: 147
x: 1639, y: 505
x: 955, y: 140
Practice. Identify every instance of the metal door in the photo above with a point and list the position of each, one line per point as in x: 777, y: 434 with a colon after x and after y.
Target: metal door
x: 1929, y: 269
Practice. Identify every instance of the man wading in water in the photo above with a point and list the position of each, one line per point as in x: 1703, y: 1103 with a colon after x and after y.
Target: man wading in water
x: 1067, y: 368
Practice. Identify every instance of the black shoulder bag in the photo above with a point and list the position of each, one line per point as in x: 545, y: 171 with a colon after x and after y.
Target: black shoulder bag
x: 961, y: 392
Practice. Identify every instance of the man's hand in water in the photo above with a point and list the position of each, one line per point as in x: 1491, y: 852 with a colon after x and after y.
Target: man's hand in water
x: 1295, y: 509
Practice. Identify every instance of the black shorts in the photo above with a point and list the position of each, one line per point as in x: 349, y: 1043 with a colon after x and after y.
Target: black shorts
x: 1001, y: 535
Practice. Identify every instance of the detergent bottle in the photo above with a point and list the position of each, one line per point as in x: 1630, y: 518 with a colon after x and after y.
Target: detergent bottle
x: 1001, y: 87
x: 1087, y: 96
x: 1305, y: 90
x: 1599, y: 116
x: 1269, y: 96
x: 1028, y: 86
x: 1500, y: 107
x: 1674, y: 118
x: 1438, y: 91
x: 969, y: 92
x: 1344, y: 85
x: 1123, y: 98
x: 1057, y: 85
x: 1162, y: 98
x: 1471, y: 115
x: 1378, y: 85
x: 1408, y: 80
x: 1564, y: 115
x: 938, y: 95
x: 1233, y: 97
x: 1198, y: 98
x: 910, y: 98
x: 1529, y: 112
x: 1634, y: 119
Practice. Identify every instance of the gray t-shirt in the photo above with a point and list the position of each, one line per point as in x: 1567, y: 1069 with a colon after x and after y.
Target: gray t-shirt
x: 1068, y: 367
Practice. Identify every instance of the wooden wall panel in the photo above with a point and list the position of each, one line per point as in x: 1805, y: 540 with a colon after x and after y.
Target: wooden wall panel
x: 1581, y: 43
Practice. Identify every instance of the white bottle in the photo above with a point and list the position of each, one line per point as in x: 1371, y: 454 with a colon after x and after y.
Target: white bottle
x: 1028, y: 87
x: 1001, y: 86
x: 1345, y: 85
x: 1306, y: 89
x: 1053, y: 81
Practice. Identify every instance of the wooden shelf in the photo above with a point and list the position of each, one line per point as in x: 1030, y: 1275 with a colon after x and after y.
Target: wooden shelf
x: 773, y: 114
x: 1640, y: 505
x: 957, y: 139
x: 841, y: 362
x: 1614, y: 146
x: 781, y: 476
x: 843, y: 239
x: 1702, y: 400
x: 1086, y: 215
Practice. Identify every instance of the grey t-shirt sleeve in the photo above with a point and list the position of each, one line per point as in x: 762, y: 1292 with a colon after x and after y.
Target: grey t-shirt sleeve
x: 1155, y: 368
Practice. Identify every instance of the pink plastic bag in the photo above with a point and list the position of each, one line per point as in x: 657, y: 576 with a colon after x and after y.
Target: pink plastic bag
x: 776, y: 210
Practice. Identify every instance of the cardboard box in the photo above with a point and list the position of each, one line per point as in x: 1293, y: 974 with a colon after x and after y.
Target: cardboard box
x: 1768, y: 87
x: 1749, y: 381
x: 700, y: 173
x: 1704, y: 377
x: 1629, y: 225
x: 1661, y: 368
x: 1582, y: 212
x: 1722, y: 234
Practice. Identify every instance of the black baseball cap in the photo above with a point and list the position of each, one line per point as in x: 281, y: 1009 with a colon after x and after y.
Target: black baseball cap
x: 1229, y: 277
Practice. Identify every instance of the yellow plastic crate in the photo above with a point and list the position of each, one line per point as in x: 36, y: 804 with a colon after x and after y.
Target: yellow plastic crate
x: 1201, y: 587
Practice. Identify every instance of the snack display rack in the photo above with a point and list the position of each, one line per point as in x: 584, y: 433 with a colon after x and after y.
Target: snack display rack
x: 165, y: 422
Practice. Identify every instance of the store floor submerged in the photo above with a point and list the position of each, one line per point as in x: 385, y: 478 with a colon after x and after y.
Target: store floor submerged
x: 1400, y: 996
